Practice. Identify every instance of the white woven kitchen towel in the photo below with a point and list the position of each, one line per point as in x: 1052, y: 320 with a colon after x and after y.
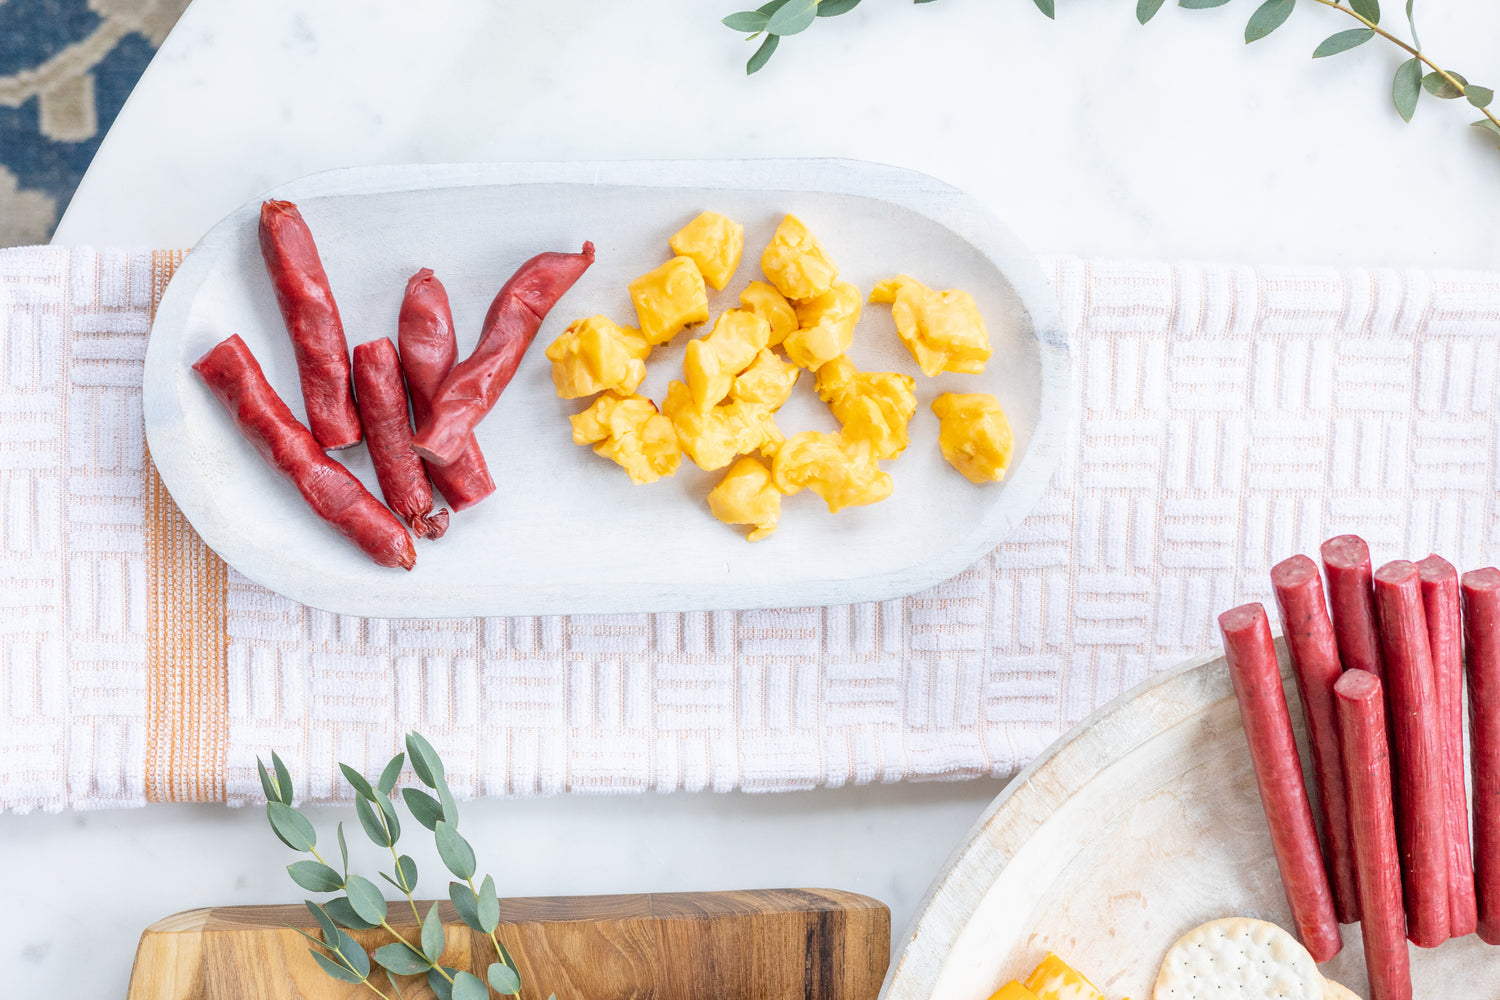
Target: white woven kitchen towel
x: 1222, y: 418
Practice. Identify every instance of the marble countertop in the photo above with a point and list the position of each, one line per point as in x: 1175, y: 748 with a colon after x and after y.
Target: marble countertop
x: 1090, y: 136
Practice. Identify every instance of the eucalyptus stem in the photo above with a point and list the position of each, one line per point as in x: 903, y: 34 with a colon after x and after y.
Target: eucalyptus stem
x: 401, y: 874
x: 400, y: 937
x: 1415, y: 52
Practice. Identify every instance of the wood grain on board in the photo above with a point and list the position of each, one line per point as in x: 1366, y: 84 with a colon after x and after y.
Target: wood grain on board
x: 767, y: 944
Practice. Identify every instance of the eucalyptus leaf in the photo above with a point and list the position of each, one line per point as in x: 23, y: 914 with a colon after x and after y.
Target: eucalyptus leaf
x: 762, y: 54
x: 505, y: 954
x: 488, y: 906
x: 334, y: 969
x: 358, y: 782
x: 343, y: 848
x: 793, y: 17
x: 317, y: 941
x: 406, y: 870
x: 342, y: 911
x: 267, y: 784
x: 314, y: 876
x: 770, y: 8
x: 283, y: 778
x: 432, y: 935
x: 366, y: 898
x: 1201, y: 4
x: 1479, y: 96
x: 464, y: 903
x: 503, y: 978
x: 1489, y: 128
x: 1267, y: 18
x: 291, y: 826
x: 423, y: 807
x: 752, y: 21
x: 833, y: 8
x: 369, y: 818
x: 1367, y: 9
x: 401, y: 960
x: 441, y: 987
x: 353, y: 955
x: 1439, y: 86
x: 467, y: 986
x: 1145, y: 10
x: 392, y: 881
x: 424, y: 760
x: 330, y: 930
x: 1407, y: 87
x: 392, y: 824
x: 450, y: 807
x: 1047, y: 7
x: 1343, y: 41
x: 454, y: 850
x: 392, y: 771
x: 1412, y: 20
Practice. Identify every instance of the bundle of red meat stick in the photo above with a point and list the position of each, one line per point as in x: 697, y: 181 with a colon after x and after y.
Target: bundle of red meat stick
x: 1380, y: 669
x: 369, y: 399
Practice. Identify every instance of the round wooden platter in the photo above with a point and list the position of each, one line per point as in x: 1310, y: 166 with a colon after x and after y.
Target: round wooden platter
x: 1136, y: 826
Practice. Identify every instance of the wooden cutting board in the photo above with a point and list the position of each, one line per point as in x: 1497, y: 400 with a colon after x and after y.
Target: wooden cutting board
x: 766, y: 944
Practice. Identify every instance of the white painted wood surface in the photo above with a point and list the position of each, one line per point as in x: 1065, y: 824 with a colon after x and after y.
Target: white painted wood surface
x: 566, y: 531
x: 1140, y: 824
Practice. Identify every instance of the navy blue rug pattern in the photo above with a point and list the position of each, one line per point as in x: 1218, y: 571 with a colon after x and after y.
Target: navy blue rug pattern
x: 66, y: 67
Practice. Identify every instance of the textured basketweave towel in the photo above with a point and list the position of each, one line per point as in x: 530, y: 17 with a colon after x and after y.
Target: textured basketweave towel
x: 1222, y: 418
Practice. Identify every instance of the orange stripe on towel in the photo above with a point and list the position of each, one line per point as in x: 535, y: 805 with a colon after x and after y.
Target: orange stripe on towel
x: 187, y: 696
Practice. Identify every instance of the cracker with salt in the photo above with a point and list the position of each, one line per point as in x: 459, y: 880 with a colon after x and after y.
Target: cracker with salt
x: 1238, y: 959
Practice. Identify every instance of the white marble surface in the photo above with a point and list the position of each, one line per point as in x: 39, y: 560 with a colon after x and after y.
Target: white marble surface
x: 1091, y: 135
x: 1088, y: 136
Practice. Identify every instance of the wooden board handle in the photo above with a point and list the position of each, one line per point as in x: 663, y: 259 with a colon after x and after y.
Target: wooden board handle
x: 763, y: 944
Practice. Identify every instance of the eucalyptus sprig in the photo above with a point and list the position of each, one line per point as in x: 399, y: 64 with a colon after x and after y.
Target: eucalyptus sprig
x: 789, y: 17
x: 363, y: 906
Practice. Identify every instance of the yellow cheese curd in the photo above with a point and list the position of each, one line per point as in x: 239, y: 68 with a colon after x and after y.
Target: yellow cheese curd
x: 1013, y: 991
x: 771, y: 306
x: 595, y: 354
x: 843, y: 472
x: 767, y: 382
x: 669, y: 299
x: 712, y: 361
x: 1054, y: 979
x: 714, y: 243
x: 943, y: 330
x: 630, y: 431
x: 825, y: 326
x: 975, y: 436
x: 872, y: 406
x: 716, y: 436
x: 796, y: 263
x: 746, y: 495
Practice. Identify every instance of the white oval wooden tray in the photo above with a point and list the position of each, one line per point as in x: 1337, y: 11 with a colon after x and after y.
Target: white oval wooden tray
x: 566, y: 530
x: 1138, y: 825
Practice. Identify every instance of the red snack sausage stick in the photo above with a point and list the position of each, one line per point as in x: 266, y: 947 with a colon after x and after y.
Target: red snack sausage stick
x: 1278, y: 774
x: 1422, y: 820
x: 1346, y: 561
x: 1315, y: 663
x: 332, y: 491
x: 312, y: 320
x: 1372, y: 822
x: 1444, y: 642
x: 1481, y: 615
x: 382, y: 410
x: 428, y: 350
x: 474, y: 385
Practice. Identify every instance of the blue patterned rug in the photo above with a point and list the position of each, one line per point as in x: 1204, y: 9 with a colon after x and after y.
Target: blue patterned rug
x: 66, y: 67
